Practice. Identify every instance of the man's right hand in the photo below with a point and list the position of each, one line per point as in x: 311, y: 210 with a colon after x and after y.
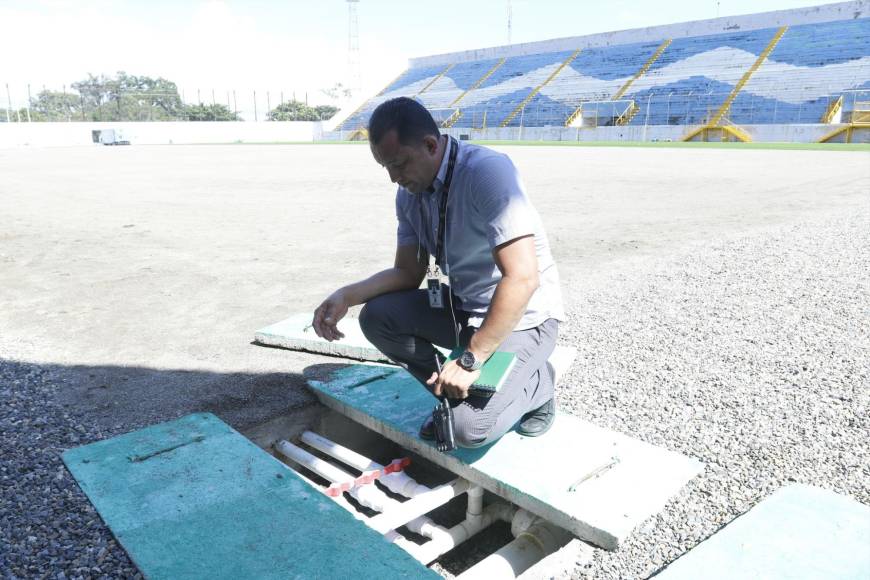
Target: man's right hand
x: 406, y: 274
x: 328, y: 314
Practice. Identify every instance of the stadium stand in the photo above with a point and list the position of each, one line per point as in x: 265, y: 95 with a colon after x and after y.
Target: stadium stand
x: 801, y: 73
x: 811, y: 67
x: 694, y: 76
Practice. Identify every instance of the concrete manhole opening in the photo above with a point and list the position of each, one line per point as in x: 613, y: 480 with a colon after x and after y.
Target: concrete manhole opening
x: 445, y: 522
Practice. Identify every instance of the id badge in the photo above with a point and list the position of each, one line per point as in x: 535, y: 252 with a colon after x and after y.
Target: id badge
x: 433, y: 288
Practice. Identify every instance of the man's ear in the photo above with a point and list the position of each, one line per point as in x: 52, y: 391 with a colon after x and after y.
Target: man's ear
x: 431, y: 143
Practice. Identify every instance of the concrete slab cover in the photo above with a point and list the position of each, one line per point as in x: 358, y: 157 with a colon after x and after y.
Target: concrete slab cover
x: 193, y: 498
x: 534, y: 473
x: 799, y: 532
x: 293, y: 333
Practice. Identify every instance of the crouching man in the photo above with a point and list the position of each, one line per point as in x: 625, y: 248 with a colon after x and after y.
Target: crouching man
x: 464, y: 218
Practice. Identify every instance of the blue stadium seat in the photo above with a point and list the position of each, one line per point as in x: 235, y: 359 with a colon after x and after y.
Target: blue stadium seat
x: 694, y: 76
x: 810, y: 67
x: 457, y: 80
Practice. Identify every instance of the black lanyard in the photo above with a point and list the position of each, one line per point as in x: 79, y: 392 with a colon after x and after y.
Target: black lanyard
x: 442, y: 208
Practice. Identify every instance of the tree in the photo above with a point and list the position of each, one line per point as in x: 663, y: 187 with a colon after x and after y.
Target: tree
x: 129, y: 98
x: 325, y: 112
x: 299, y: 111
x: 55, y: 106
x: 215, y: 112
x: 20, y: 115
x: 293, y: 111
x: 338, y: 91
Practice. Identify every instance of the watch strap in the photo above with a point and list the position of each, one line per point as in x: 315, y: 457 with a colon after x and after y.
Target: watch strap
x: 478, y: 363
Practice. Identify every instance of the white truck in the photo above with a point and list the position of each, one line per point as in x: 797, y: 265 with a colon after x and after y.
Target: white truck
x: 110, y: 137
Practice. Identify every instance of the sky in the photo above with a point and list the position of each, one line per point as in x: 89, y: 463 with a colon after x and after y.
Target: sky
x: 293, y: 47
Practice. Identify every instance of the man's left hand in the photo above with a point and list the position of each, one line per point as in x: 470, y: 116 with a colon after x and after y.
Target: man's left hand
x: 454, y: 381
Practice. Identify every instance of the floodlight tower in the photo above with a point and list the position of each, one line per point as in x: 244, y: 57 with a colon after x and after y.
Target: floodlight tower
x: 353, y: 60
x: 510, y: 15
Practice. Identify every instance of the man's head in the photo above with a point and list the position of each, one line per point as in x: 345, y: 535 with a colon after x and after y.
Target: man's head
x: 405, y: 139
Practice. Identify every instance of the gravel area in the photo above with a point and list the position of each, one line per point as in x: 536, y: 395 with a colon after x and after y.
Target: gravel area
x: 48, y: 529
x: 751, y: 354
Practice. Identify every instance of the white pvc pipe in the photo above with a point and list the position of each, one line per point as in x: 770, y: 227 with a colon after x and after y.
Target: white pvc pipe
x: 503, y: 512
x: 401, y: 483
x: 404, y: 485
x: 417, y: 506
x: 398, y: 482
x: 343, y: 454
x: 442, y: 540
x: 474, y: 507
x: 392, y: 536
x: 522, y: 521
x: 465, y: 530
x: 375, y: 499
x: 315, y: 464
x: 537, y: 542
x: 368, y: 495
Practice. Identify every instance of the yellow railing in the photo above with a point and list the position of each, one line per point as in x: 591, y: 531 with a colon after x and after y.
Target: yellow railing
x: 628, y: 115
x: 642, y: 71
x: 859, y: 123
x: 746, y: 76
x: 537, y: 89
x: 361, y: 134
x: 340, y: 126
x: 479, y: 82
x: 847, y: 131
x: 452, y: 119
x: 832, y: 109
x: 725, y: 133
x: 435, y: 80
x: 392, y: 82
x: 737, y: 132
x: 861, y: 112
x: 574, y: 115
x: 714, y: 123
x: 618, y: 94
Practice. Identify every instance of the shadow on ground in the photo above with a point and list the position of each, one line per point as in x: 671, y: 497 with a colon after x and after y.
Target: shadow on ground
x: 48, y: 525
x: 122, y: 395
x: 46, y: 409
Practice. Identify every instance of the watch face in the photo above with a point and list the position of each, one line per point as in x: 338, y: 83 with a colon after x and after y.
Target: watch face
x: 467, y: 360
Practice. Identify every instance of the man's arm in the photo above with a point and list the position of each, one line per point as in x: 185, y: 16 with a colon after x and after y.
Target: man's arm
x: 518, y: 264
x: 407, y: 273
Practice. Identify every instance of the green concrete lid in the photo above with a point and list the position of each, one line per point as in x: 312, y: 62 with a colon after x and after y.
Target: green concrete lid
x: 193, y: 498
x: 534, y: 473
x: 798, y: 533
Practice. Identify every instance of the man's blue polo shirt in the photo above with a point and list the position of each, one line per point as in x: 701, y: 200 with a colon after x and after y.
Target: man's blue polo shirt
x: 487, y: 206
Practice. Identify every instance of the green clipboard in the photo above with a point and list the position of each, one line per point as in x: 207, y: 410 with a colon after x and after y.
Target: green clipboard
x: 493, y: 373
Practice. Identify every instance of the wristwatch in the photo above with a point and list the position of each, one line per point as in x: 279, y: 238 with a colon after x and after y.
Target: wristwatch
x: 468, y: 361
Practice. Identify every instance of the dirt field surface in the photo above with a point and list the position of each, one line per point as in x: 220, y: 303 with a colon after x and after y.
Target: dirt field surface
x: 139, y: 274
x: 717, y: 299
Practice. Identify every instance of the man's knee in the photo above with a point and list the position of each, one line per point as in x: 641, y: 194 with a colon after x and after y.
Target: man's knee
x: 373, y: 316
x: 469, y: 435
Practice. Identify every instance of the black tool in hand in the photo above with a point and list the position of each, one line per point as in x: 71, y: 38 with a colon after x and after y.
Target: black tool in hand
x: 442, y: 419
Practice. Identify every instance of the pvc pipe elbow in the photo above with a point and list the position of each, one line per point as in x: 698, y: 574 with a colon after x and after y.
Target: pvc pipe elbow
x: 475, y: 502
x: 522, y: 521
x: 372, y: 497
x: 402, y: 484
